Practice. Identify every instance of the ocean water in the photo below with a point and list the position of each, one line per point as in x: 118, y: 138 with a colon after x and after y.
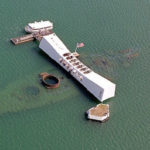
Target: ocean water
x: 116, y: 35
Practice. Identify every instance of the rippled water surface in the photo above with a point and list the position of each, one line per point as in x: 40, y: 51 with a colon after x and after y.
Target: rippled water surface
x: 116, y: 35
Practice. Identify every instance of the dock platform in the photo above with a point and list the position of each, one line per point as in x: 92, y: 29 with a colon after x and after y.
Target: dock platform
x: 30, y: 37
x: 23, y: 39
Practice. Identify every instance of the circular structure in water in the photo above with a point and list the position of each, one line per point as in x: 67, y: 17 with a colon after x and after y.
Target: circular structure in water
x: 50, y: 81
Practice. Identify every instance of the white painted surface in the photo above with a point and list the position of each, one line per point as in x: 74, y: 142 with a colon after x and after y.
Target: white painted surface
x: 97, y: 85
x: 98, y: 118
x: 41, y: 24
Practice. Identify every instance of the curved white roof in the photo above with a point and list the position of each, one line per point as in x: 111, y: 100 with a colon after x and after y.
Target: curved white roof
x: 41, y: 24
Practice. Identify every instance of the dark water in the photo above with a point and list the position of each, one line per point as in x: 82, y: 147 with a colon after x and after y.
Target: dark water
x: 116, y: 35
x: 51, y: 80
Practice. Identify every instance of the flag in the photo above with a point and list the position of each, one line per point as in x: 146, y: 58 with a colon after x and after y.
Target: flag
x: 80, y: 45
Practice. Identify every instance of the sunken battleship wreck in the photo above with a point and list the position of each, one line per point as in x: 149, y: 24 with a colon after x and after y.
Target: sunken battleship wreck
x: 50, y: 43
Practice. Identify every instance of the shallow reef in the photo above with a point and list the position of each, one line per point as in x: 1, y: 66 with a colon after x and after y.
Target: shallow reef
x: 32, y: 91
x: 109, y: 61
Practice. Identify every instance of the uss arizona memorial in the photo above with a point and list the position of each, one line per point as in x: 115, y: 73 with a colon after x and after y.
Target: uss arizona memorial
x: 97, y: 85
x: 50, y: 43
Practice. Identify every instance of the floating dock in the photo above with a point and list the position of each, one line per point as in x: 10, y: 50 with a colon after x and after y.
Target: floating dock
x: 23, y: 39
x: 30, y: 37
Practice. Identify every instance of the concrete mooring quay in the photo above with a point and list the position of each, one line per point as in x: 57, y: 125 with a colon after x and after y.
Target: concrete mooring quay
x: 30, y: 37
